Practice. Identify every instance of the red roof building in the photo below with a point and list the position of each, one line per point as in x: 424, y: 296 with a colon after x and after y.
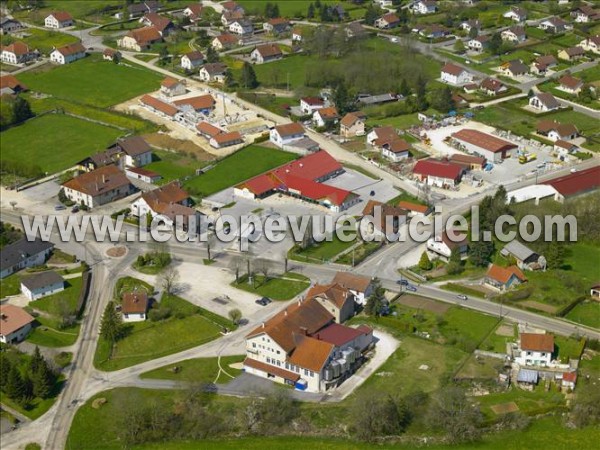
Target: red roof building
x: 577, y: 183
x: 158, y: 105
x: 483, y: 144
x: 438, y: 173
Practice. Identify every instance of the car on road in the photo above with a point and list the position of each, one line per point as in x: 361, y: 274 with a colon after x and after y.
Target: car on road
x: 462, y: 297
x: 263, y: 301
x: 75, y: 209
x: 411, y: 288
x: 60, y: 208
x: 402, y: 282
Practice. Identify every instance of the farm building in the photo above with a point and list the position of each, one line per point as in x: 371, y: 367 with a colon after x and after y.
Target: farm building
x: 488, y: 146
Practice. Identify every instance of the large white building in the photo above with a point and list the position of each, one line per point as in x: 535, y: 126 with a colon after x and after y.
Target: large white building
x: 456, y: 75
x: 535, y: 349
x: 68, y: 53
x: 282, y: 135
x: 42, y: 284
x: 483, y: 144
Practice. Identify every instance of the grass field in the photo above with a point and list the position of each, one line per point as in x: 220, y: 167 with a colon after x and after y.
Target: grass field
x: 242, y: 165
x: 187, y: 327
x: 528, y: 402
x: 173, y: 166
x: 284, y: 287
x: 76, y: 139
x: 93, y: 81
x: 45, y: 40
x: 287, y: 8
x: 199, y: 370
x: 10, y: 285
x: 586, y: 313
x: 49, y: 304
x: 320, y: 252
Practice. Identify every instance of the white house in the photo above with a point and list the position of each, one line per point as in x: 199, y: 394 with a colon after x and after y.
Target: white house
x: 514, y: 34
x: 58, y: 19
x: 213, y: 73
x: 424, y: 7
x: 192, y: 60
x: 224, y: 41
x: 308, y: 105
x: 361, y: 287
x: 193, y: 12
x: 22, y: 254
x: 15, y: 324
x: 17, y: 53
x: 456, y: 75
x: 140, y: 39
x: 570, y: 84
x: 442, y: 246
x: 591, y: 44
x: 134, y: 151
x: 585, y: 14
x: 156, y: 200
x: 98, y: 187
x: 241, y: 27
x: 134, y: 306
x: 325, y: 116
x: 535, y: 349
x: 68, y: 53
x: 543, y: 102
x: 297, y: 34
x: 516, y: 14
x: 265, y: 53
x: 171, y: 87
x: 479, y: 43
x: 42, y: 284
x: 387, y: 21
x: 145, y: 175
x: 282, y: 135
x: 554, y: 25
x: 396, y: 150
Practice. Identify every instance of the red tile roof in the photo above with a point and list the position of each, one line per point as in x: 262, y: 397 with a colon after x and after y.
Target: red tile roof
x: 570, y: 81
x: 453, y: 69
x: 61, y: 16
x: 9, y: 81
x: 413, y: 207
x: 390, y: 18
x: 570, y: 377
x: 328, y: 113
x: 352, y: 281
x: 158, y: 21
x: 167, y: 194
x: 334, y: 292
x: 228, y: 138
x: 13, y: 318
x: 134, y: 303
x: 575, y: 183
x: 207, y: 129
x: 442, y: 169
x: 99, y: 181
x: 198, y: 103
x: 313, y: 101
x: 145, y: 35
x: 18, y: 48
x: 289, y: 129
x: 227, y: 38
x: 159, y: 105
x: 459, y: 158
x: 504, y: 274
x: 144, y: 172
x: 537, y: 342
x: 483, y: 140
x: 269, y: 50
x: 195, y: 8
x: 311, y: 353
x: 194, y: 56
x: 273, y: 370
x: 340, y: 335
x: 71, y: 49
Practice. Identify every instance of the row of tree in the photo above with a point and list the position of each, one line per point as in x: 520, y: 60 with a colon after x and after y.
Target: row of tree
x: 13, y: 110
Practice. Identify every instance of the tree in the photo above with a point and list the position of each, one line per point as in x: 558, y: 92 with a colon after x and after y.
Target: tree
x: 212, y: 56
x: 454, y: 266
x: 263, y: 266
x: 453, y: 412
x: 459, y: 46
x: 235, y: 315
x: 36, y: 361
x: 325, y: 14
x: 376, y: 415
x: 248, y: 77
x: 495, y: 44
x: 404, y: 89
x: 342, y: 99
x: 5, y: 366
x: 473, y: 32
x: 311, y: 12
x: 421, y: 94
x: 169, y: 279
x: 229, y: 79
x: 586, y: 406
x: 443, y: 101
x: 376, y: 300
x: 110, y: 327
x: 22, y: 110
x: 554, y: 254
x: 480, y: 252
x: 371, y: 14
x: 42, y: 380
x: 15, y: 387
x: 163, y: 55
x: 425, y: 262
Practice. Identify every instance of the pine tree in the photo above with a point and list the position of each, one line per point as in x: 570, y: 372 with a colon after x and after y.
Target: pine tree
x: 425, y: 262
x: 42, y: 381
x: 404, y: 88
x: 311, y: 12
x: 455, y: 263
x: 15, y: 387
x: 211, y: 55
x: 37, y: 360
x: 110, y: 328
x: 421, y: 93
x: 22, y: 110
x: 5, y: 366
x: 480, y: 252
x: 248, y: 79
x: 342, y: 98
x: 444, y: 101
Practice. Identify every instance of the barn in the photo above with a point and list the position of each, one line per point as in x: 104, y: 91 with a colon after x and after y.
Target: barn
x: 490, y: 147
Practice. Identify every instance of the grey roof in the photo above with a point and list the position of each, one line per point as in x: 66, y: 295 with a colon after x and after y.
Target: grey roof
x: 41, y: 280
x: 527, y: 376
x: 305, y: 143
x: 14, y: 253
x: 382, y: 98
x: 518, y: 250
x: 134, y: 145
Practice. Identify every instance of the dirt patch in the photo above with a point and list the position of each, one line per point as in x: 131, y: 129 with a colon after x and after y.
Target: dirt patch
x: 116, y: 252
x: 505, y: 330
x: 166, y: 142
x: 237, y: 365
x: 539, y: 306
x: 96, y: 404
x: 416, y: 302
x: 504, y: 408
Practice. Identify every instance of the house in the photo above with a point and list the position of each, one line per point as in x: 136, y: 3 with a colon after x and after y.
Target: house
x: 414, y: 209
x: 282, y: 135
x: 571, y: 54
x: 523, y: 255
x: 438, y: 173
x: 577, y: 183
x: 308, y: 105
x: 442, y: 246
x: 232, y: 6
x: 241, y: 27
x: 139, y: 9
x: 145, y: 175
x: 514, y: 68
x: 17, y: 53
x: 591, y: 44
x: 277, y: 25
x: 10, y: 85
x: 162, y: 24
x: 424, y: 7
x: 570, y: 84
x: 325, y: 116
x: 155, y: 201
x: 109, y: 54
x: 544, y: 102
x: 595, y: 290
x: 22, y: 254
x: 569, y: 379
x: 297, y: 33
x: 490, y: 147
x: 133, y: 151
x: 207, y: 130
x: 564, y: 148
x: 468, y: 162
x: 535, y: 349
x: 192, y: 60
x: 456, y: 75
x: 381, y: 135
x: 134, y: 306
x: 585, y: 14
x: 514, y: 34
x: 384, y: 3
x: 353, y: 124
x: 359, y: 286
x: 9, y: 25
x: 68, y: 53
x: 492, y: 87
x: 98, y: 187
x: 336, y: 299
x: 42, y: 284
x: 382, y: 221
x: 302, y: 179
x: 387, y: 21
x: 58, y: 19
x: 434, y: 31
x: 355, y: 30
x: 303, y: 347
x: 224, y: 41
x: 516, y: 14
x: 203, y: 104
x: 15, y: 324
x: 468, y: 25
x: 541, y: 64
x: 226, y: 139
x: 265, y: 53
x: 228, y: 17
x: 171, y: 87
x: 396, y: 150
x: 555, y: 130
x: 554, y: 25
x: 140, y: 39
x: 213, y: 73
x: 503, y: 278
x: 193, y: 12
x: 479, y: 43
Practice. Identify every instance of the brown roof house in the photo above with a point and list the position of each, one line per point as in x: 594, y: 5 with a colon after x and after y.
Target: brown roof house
x: 571, y: 54
x: 325, y: 116
x: 353, y: 124
x: 171, y: 87
x: 443, y: 245
x: 265, y: 53
x: 381, y: 220
x: 98, y: 187
x: 140, y: 39
x: 134, y: 306
x: 17, y: 53
x: 570, y: 84
x: 213, y: 72
x: 58, y: 19
x: 503, y: 278
x: 535, y: 349
x: 543, y: 102
x: 161, y: 23
x: 336, y: 299
x: 68, y: 53
x: 132, y: 151
x: 15, y: 324
x: 361, y: 287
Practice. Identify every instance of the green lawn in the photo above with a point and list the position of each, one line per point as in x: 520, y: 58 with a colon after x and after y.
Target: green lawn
x: 320, y: 252
x: 76, y: 139
x: 242, y: 165
x: 198, y: 370
x: 125, y: 284
x: 568, y: 348
x: 496, y: 342
x: 538, y: 401
x: 467, y: 324
x: 45, y: 40
x: 359, y: 254
x: 71, y: 293
x: 10, y: 285
x: 93, y: 81
x: 188, y: 326
x: 586, y: 313
x: 284, y: 287
x: 48, y: 334
x: 79, y: 9
x: 173, y: 166
x: 287, y: 8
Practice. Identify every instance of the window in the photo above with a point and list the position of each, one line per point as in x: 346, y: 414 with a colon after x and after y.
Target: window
x: 312, y: 374
x: 268, y: 360
x: 305, y: 372
x: 544, y: 354
x: 254, y: 345
x: 287, y: 366
x: 278, y: 352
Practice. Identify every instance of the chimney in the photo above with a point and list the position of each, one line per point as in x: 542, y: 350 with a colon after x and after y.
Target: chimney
x: 103, y: 179
x: 304, y: 331
x: 285, y: 312
x: 263, y: 325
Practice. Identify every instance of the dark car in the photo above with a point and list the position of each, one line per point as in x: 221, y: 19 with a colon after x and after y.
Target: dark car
x: 402, y: 282
x: 411, y: 288
x: 263, y: 301
x: 60, y: 207
x: 75, y: 209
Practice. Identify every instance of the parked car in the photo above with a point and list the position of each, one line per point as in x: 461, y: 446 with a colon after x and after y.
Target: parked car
x: 411, y: 288
x: 402, y: 282
x: 263, y: 301
x: 75, y: 209
x: 60, y: 208
x: 462, y: 297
